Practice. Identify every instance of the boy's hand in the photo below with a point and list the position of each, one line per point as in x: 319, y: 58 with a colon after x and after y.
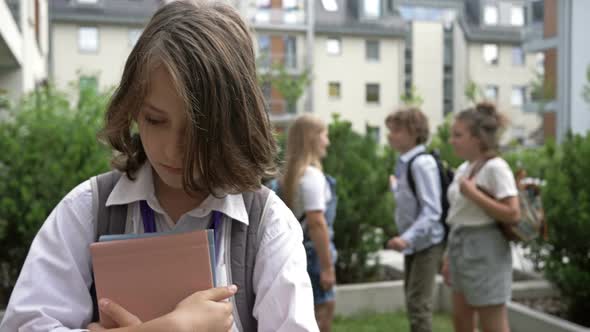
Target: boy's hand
x: 445, y: 271
x: 118, y: 314
x: 392, y: 182
x: 397, y: 243
x: 205, y: 311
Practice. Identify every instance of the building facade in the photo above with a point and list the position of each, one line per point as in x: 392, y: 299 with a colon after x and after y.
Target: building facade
x: 23, y: 46
x: 91, y: 39
x: 558, y: 30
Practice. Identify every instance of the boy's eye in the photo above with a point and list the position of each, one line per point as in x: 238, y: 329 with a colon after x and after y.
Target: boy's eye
x: 153, y: 121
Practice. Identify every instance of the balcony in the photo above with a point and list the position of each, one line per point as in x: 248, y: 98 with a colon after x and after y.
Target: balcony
x: 11, y: 55
x: 539, y: 106
x: 279, y: 112
x: 534, y: 40
x: 293, y: 64
x: 272, y: 18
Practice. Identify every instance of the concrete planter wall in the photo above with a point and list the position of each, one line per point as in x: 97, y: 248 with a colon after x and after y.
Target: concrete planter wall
x: 389, y: 297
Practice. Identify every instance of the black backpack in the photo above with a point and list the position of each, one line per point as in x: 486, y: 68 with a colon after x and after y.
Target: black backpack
x: 446, y: 175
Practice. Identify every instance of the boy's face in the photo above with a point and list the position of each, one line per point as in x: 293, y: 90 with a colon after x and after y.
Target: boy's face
x: 400, y: 138
x: 162, y: 126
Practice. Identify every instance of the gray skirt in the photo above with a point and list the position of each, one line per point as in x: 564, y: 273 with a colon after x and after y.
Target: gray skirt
x: 480, y: 264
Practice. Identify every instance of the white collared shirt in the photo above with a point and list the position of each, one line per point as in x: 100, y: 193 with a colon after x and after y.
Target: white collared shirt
x: 51, y: 293
x: 417, y: 215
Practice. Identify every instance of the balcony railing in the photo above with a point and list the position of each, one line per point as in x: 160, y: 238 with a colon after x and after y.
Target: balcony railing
x: 293, y: 63
x: 292, y: 17
x: 533, y: 31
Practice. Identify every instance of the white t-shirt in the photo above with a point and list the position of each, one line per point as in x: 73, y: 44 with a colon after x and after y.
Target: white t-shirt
x: 313, y: 194
x: 495, y: 177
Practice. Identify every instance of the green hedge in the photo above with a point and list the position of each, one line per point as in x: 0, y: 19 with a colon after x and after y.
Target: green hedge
x: 48, y: 147
x: 565, y: 257
x: 365, y: 204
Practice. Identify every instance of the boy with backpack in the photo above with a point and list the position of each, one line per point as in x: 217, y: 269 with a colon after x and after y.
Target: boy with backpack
x: 418, y: 187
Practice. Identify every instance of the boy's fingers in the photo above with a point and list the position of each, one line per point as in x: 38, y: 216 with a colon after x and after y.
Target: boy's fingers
x: 117, y: 313
x: 219, y: 293
x: 95, y: 327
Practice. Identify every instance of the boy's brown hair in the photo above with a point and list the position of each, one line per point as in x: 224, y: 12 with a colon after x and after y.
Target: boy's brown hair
x: 413, y: 120
x: 207, y: 50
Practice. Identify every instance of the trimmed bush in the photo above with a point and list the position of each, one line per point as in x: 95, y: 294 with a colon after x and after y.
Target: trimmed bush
x: 365, y: 204
x: 565, y: 257
x: 48, y: 147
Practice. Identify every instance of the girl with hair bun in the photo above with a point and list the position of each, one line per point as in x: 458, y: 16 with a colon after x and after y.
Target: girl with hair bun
x: 478, y: 263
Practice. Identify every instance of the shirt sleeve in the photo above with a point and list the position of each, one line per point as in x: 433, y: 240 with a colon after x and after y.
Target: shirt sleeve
x: 428, y: 192
x: 284, y: 297
x: 52, y: 291
x: 313, y: 190
x: 500, y: 180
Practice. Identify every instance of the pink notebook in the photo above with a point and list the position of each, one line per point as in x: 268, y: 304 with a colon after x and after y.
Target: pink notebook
x: 149, y: 276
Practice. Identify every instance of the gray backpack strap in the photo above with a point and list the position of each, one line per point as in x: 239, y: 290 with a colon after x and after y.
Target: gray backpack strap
x: 244, y: 247
x: 109, y: 220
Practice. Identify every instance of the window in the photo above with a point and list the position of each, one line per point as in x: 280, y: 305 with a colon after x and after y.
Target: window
x: 490, y: 15
x: 88, y: 39
x: 134, y: 36
x: 267, y: 93
x: 372, y: 8
x: 333, y: 46
x: 334, y: 90
x: 290, y: 52
x: 538, y: 11
x: 490, y: 54
x: 290, y: 4
x: 518, y: 58
x: 263, y: 4
x: 372, y: 50
x: 491, y: 92
x: 330, y: 5
x: 263, y: 11
x: 372, y: 93
x: 374, y: 132
x: 291, y: 12
x: 264, y: 51
x: 540, y: 63
x: 517, y: 16
x: 518, y: 96
x: 88, y: 82
x: 519, y: 133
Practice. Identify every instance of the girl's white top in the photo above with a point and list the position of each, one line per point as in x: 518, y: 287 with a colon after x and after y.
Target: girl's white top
x: 495, y: 176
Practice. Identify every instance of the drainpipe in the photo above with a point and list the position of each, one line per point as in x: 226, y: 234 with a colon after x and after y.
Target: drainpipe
x: 310, y: 36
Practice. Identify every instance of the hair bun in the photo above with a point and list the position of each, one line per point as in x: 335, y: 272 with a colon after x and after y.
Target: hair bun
x: 487, y: 108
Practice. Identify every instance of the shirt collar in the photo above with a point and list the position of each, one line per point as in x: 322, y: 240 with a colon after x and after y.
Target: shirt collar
x: 412, y: 153
x: 127, y: 191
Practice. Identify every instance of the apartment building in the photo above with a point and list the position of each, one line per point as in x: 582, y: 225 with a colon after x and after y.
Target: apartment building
x: 363, y: 54
x: 23, y: 46
x: 91, y: 39
x: 558, y: 29
x: 454, y: 44
x: 368, y: 53
x: 358, y: 58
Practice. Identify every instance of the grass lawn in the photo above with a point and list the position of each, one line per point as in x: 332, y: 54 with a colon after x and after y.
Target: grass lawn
x: 387, y: 322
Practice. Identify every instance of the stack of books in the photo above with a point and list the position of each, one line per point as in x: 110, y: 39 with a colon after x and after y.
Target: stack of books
x: 149, y: 274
